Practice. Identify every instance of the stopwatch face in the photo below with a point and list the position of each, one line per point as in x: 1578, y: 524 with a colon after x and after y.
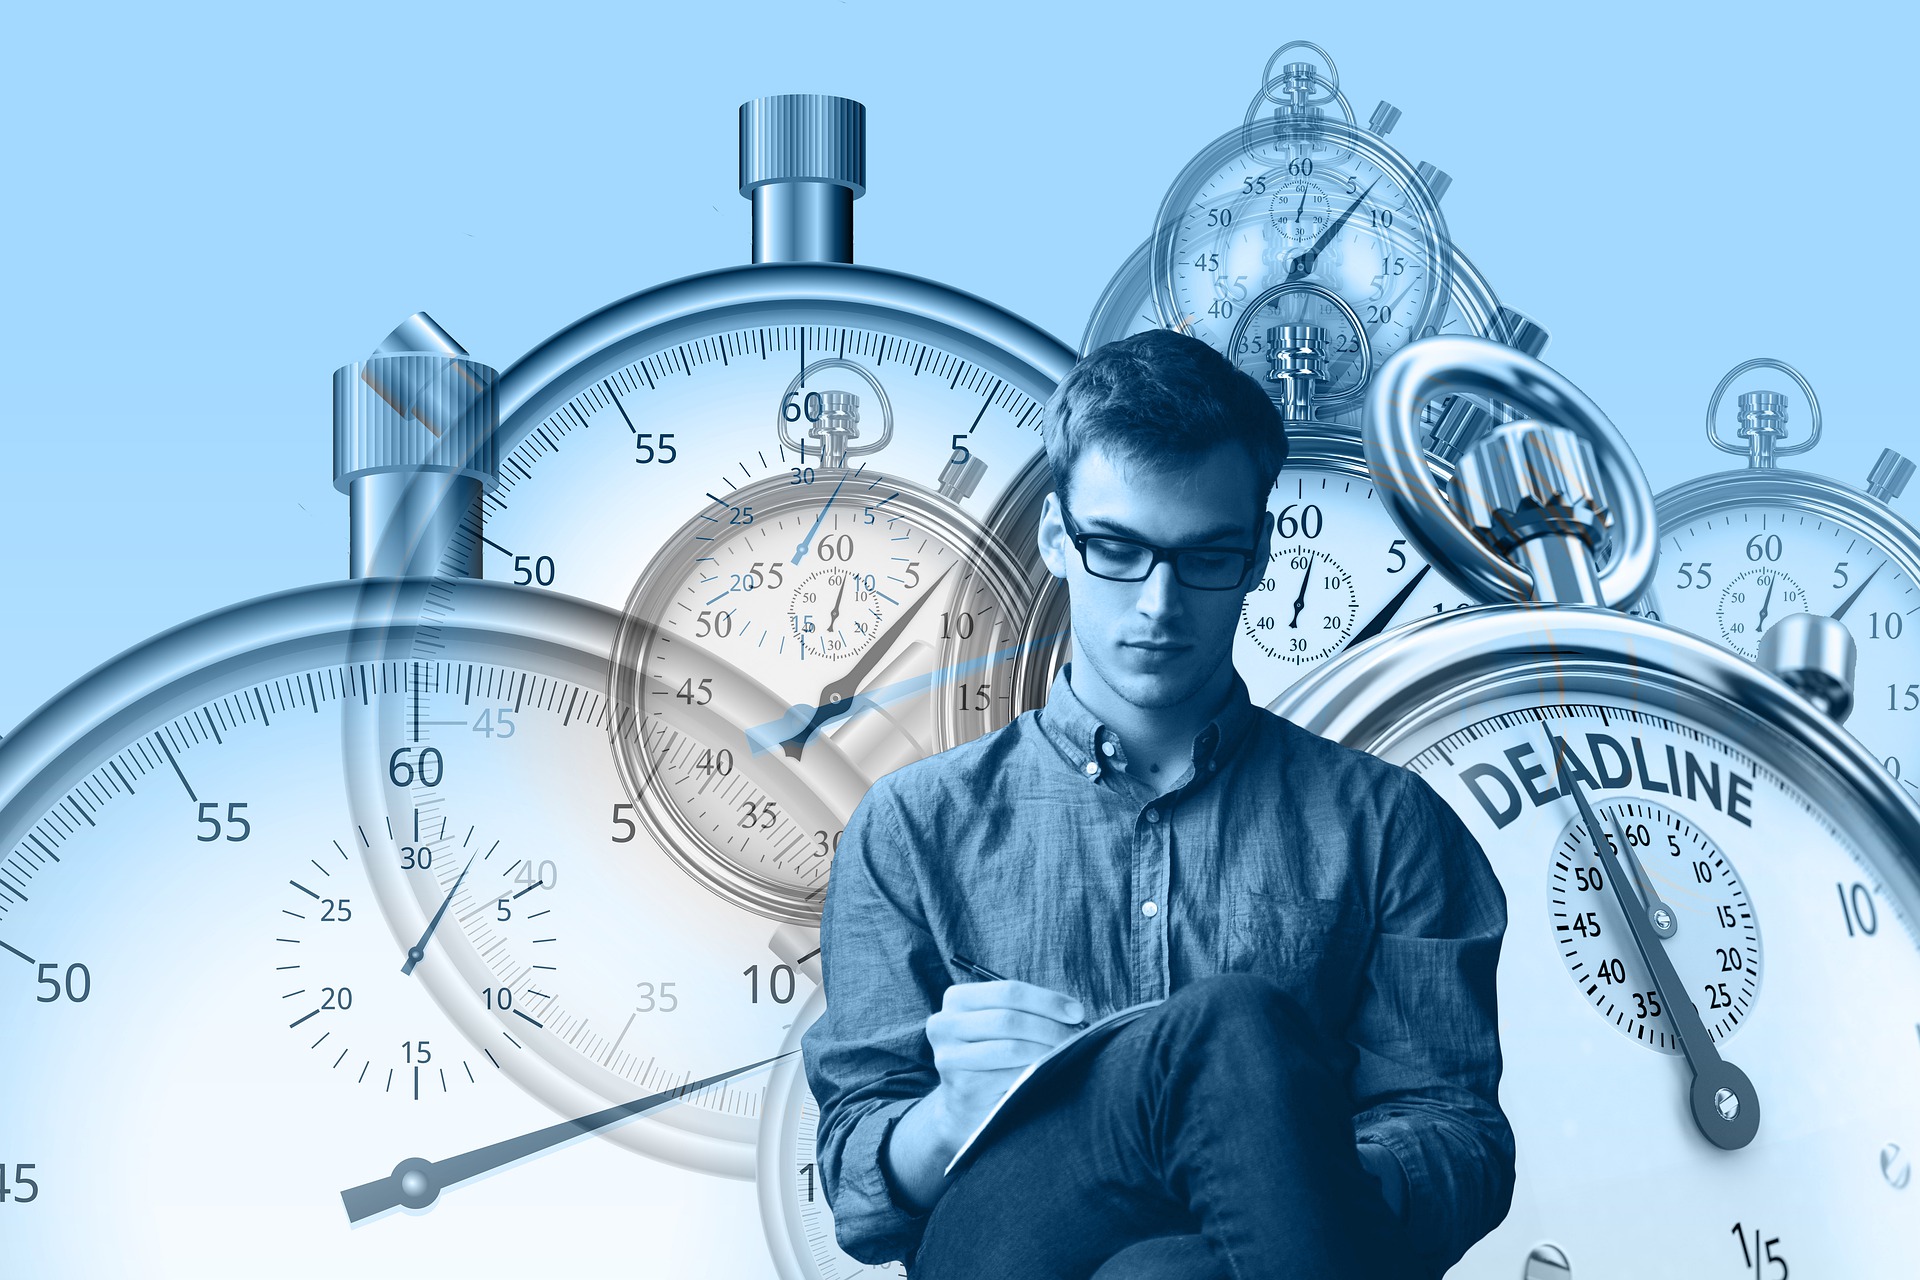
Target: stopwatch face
x: 794, y: 1211
x: 1738, y: 808
x: 192, y: 951
x: 1734, y: 562
x: 812, y: 628
x: 1298, y: 200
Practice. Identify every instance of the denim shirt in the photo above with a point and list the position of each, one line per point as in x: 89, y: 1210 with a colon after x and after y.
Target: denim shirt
x: 1344, y: 878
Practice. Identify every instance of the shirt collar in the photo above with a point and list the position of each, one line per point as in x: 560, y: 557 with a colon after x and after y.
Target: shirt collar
x: 1080, y: 736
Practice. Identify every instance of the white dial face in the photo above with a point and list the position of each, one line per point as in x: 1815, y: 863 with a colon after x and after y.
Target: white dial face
x: 835, y: 603
x: 1728, y: 575
x: 154, y: 1077
x: 1340, y: 570
x: 808, y: 1223
x: 1715, y: 938
x: 599, y: 487
x: 1311, y: 211
x: 1611, y: 1168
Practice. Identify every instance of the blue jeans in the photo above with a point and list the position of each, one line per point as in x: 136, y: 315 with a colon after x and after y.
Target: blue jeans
x: 1210, y: 1139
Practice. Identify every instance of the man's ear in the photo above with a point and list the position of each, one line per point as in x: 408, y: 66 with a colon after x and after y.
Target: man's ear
x: 1052, y: 537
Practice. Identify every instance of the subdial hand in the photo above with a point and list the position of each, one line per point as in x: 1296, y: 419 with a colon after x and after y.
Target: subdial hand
x: 1300, y: 599
x: 1725, y: 1107
x: 1304, y: 264
x: 418, y: 951
x: 416, y: 1183
x: 1766, y: 604
x: 833, y: 615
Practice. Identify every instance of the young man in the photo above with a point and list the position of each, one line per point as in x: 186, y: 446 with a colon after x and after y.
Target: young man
x: 1317, y: 1095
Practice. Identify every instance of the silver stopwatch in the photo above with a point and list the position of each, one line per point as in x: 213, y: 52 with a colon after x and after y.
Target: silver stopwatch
x: 1710, y: 981
x: 214, y: 1029
x: 1292, y: 198
x: 1742, y: 549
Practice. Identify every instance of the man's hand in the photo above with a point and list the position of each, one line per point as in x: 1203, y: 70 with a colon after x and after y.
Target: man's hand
x: 983, y: 1035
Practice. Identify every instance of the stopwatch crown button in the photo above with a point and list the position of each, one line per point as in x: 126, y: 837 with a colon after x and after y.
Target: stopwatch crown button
x: 1888, y: 479
x: 1384, y: 117
x: 418, y: 403
x: 1815, y: 656
x: 1763, y: 411
x: 1437, y: 180
x: 1526, y: 480
x: 1522, y: 332
x: 803, y: 137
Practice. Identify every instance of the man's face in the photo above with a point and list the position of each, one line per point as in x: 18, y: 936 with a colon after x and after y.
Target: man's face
x: 1157, y: 642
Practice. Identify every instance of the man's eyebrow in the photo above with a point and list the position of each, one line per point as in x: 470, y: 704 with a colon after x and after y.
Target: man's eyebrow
x: 1115, y: 527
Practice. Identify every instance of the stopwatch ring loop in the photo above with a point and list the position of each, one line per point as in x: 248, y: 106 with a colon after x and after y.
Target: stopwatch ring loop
x: 1265, y: 95
x: 1328, y: 399
x: 1764, y: 362
x: 834, y: 362
x: 1432, y: 367
x: 1331, y: 80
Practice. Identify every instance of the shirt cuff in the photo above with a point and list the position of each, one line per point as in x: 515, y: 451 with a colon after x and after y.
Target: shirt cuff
x: 1385, y: 1167
x: 871, y: 1224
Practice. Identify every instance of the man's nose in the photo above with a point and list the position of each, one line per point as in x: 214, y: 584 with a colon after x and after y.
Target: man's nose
x: 1159, y: 591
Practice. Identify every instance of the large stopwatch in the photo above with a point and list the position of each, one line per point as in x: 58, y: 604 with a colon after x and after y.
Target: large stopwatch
x: 1742, y: 549
x: 1297, y: 198
x: 1710, y: 981
x: 1340, y: 570
x: 212, y: 1029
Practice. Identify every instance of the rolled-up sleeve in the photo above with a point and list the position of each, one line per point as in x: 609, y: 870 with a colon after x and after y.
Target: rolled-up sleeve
x: 867, y: 1058
x: 1427, y: 1077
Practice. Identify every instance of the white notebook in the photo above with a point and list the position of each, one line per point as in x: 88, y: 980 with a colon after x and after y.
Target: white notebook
x: 1073, y: 1049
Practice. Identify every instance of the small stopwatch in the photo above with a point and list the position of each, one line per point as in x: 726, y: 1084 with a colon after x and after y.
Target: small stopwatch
x: 214, y: 1028
x: 1742, y: 549
x: 822, y: 618
x: 1340, y: 570
x: 1709, y: 985
x: 1295, y: 197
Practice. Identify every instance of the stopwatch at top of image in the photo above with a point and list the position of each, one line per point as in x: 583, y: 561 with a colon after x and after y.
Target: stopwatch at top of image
x: 1742, y: 549
x: 1709, y: 979
x: 1295, y: 198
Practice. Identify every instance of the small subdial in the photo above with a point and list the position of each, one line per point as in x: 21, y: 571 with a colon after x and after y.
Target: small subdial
x: 836, y: 612
x: 1304, y: 607
x: 350, y: 994
x: 1715, y: 946
x: 1299, y: 211
x: 1752, y: 601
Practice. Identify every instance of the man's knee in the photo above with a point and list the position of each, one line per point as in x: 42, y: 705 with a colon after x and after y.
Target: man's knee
x: 1240, y: 1014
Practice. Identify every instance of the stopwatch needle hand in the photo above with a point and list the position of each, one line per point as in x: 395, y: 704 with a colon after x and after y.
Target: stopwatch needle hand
x: 837, y: 699
x: 1300, y: 599
x: 418, y: 951
x: 1722, y: 1099
x: 1378, y: 622
x: 1847, y: 604
x: 1766, y: 604
x: 800, y: 552
x: 1304, y: 264
x: 416, y: 1183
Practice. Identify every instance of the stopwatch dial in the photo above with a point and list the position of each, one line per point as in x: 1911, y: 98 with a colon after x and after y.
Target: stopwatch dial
x: 1340, y: 572
x: 824, y: 1260
x: 1750, y: 600
x: 781, y: 664
x: 1721, y: 569
x: 1716, y: 944
x: 1231, y: 243
x: 350, y: 997
x: 1304, y: 606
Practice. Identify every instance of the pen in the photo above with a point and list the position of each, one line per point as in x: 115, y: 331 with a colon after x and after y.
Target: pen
x: 981, y: 971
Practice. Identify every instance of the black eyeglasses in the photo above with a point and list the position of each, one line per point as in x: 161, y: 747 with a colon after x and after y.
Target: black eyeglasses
x: 1120, y: 559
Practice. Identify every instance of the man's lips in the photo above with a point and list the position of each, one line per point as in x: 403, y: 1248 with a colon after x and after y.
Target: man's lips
x: 1154, y: 646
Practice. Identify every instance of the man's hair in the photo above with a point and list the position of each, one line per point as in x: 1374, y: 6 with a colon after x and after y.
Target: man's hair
x: 1161, y: 397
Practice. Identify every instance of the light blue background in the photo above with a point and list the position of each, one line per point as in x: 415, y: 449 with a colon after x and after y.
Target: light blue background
x: 205, y: 214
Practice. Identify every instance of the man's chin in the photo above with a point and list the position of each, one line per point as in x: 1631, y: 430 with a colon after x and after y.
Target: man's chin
x: 1161, y: 685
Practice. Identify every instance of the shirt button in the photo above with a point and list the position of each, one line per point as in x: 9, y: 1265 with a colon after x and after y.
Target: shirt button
x: 1148, y: 908
x: 1106, y: 748
x: 1093, y: 768
x: 1153, y: 815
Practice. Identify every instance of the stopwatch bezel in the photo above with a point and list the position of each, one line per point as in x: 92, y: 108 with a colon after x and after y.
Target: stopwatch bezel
x: 717, y: 873
x: 811, y: 293
x: 1382, y: 693
x: 1808, y: 491
x: 1282, y: 130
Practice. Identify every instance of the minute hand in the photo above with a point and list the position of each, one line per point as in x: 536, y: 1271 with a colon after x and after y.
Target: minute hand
x: 837, y: 698
x: 1713, y: 1076
x: 1304, y: 264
